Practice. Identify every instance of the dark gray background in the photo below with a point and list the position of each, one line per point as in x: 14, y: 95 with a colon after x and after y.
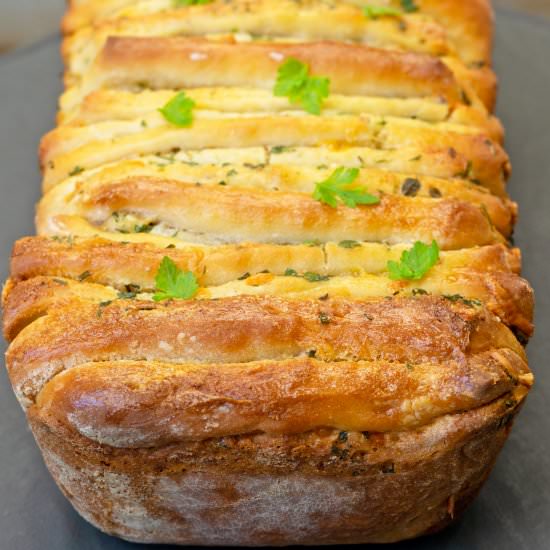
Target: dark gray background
x: 513, y: 510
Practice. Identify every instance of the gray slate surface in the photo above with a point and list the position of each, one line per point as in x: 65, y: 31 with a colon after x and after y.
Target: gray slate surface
x: 513, y: 510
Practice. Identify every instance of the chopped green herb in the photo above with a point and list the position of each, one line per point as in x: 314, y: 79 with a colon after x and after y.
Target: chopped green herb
x: 61, y: 282
x: 76, y: 170
x: 308, y: 276
x: 349, y: 244
x: 337, y: 188
x: 231, y: 172
x: 315, y: 277
x: 84, y: 276
x: 172, y: 282
x: 179, y: 110
x: 470, y: 302
x: 419, y: 292
x: 410, y: 187
x: 414, y: 263
x: 409, y: 6
x: 278, y: 149
x: 143, y: 228
x: 467, y: 172
x: 312, y: 353
x: 126, y: 295
x: 414, y: 159
x: 315, y: 242
x: 294, y: 82
x: 324, y: 318
x: 69, y: 239
x: 179, y: 3
x: 374, y: 12
x: 244, y: 276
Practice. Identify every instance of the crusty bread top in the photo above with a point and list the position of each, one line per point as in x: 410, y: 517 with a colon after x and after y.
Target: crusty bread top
x: 355, y: 351
x: 297, y: 324
x: 441, y: 26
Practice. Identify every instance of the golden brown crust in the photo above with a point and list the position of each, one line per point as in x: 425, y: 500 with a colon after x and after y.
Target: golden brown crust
x: 106, y: 104
x: 121, y: 263
x: 264, y: 20
x: 301, y: 395
x: 136, y: 404
x: 273, y: 217
x: 507, y: 295
x: 184, y: 62
x: 474, y: 159
x: 351, y: 68
x: 238, y: 329
x: 323, y: 486
x: 469, y: 23
x: 274, y: 170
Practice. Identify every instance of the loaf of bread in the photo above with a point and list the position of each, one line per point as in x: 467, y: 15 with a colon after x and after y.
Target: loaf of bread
x: 273, y: 298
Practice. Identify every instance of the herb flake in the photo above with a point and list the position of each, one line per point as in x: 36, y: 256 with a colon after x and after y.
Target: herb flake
x: 409, y: 6
x: 180, y: 3
x: 374, y: 12
x: 349, y: 244
x: 76, y: 170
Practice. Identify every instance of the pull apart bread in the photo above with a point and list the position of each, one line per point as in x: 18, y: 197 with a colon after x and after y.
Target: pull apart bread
x: 272, y: 299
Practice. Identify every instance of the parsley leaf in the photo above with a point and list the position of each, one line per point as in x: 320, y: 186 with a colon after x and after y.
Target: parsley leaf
x: 178, y: 110
x: 374, y: 12
x: 337, y: 188
x: 294, y: 82
x: 179, y: 3
x: 315, y: 90
x: 409, y: 6
x: 291, y: 77
x: 414, y: 263
x: 172, y: 282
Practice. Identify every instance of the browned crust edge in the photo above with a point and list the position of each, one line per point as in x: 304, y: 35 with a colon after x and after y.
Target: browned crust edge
x: 321, y: 487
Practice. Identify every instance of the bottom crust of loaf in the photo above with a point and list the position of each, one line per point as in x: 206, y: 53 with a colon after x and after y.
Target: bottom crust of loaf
x: 322, y: 487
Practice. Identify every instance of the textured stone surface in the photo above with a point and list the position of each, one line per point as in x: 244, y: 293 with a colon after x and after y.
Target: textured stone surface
x: 536, y: 7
